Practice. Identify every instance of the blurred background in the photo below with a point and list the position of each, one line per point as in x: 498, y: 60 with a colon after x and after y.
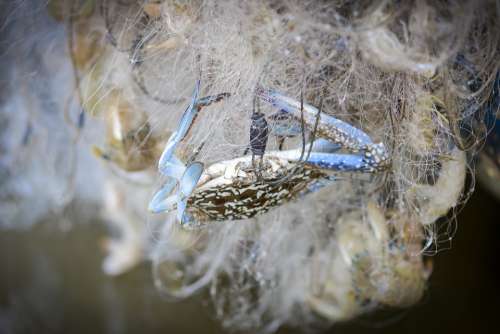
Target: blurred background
x: 41, y: 292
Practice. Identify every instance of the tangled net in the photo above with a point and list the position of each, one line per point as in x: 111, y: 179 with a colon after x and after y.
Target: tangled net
x: 413, y: 75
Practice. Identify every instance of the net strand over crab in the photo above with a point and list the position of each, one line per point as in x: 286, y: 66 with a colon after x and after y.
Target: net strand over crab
x: 231, y: 189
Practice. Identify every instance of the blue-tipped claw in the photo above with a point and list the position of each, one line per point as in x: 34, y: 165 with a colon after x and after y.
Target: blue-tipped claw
x: 333, y: 134
x: 341, y: 131
x: 183, y: 128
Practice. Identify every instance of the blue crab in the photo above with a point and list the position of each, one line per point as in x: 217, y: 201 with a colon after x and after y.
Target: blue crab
x: 233, y: 189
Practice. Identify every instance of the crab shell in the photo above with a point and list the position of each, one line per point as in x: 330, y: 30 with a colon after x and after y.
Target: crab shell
x: 239, y: 189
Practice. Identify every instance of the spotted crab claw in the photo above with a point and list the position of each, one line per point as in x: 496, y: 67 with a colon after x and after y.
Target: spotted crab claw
x: 179, y: 176
x: 329, y: 127
x: 334, y: 134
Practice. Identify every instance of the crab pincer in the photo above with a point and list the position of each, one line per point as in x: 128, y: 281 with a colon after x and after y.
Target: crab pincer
x: 366, y: 155
x: 182, y: 179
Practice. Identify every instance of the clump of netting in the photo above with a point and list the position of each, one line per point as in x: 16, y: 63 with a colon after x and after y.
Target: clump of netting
x: 414, y: 76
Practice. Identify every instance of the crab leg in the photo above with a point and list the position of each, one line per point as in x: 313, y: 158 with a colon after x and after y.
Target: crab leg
x: 181, y: 177
x: 182, y: 130
x: 329, y: 127
x: 167, y: 159
x: 169, y: 165
x: 162, y: 201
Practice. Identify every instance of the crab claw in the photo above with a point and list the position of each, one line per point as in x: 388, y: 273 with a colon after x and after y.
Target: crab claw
x: 182, y: 180
x: 330, y: 127
x: 168, y: 153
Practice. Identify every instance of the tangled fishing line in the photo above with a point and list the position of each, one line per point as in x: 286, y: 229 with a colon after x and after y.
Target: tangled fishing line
x: 415, y: 76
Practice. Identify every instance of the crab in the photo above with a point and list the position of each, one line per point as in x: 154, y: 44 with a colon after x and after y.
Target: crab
x: 234, y: 189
